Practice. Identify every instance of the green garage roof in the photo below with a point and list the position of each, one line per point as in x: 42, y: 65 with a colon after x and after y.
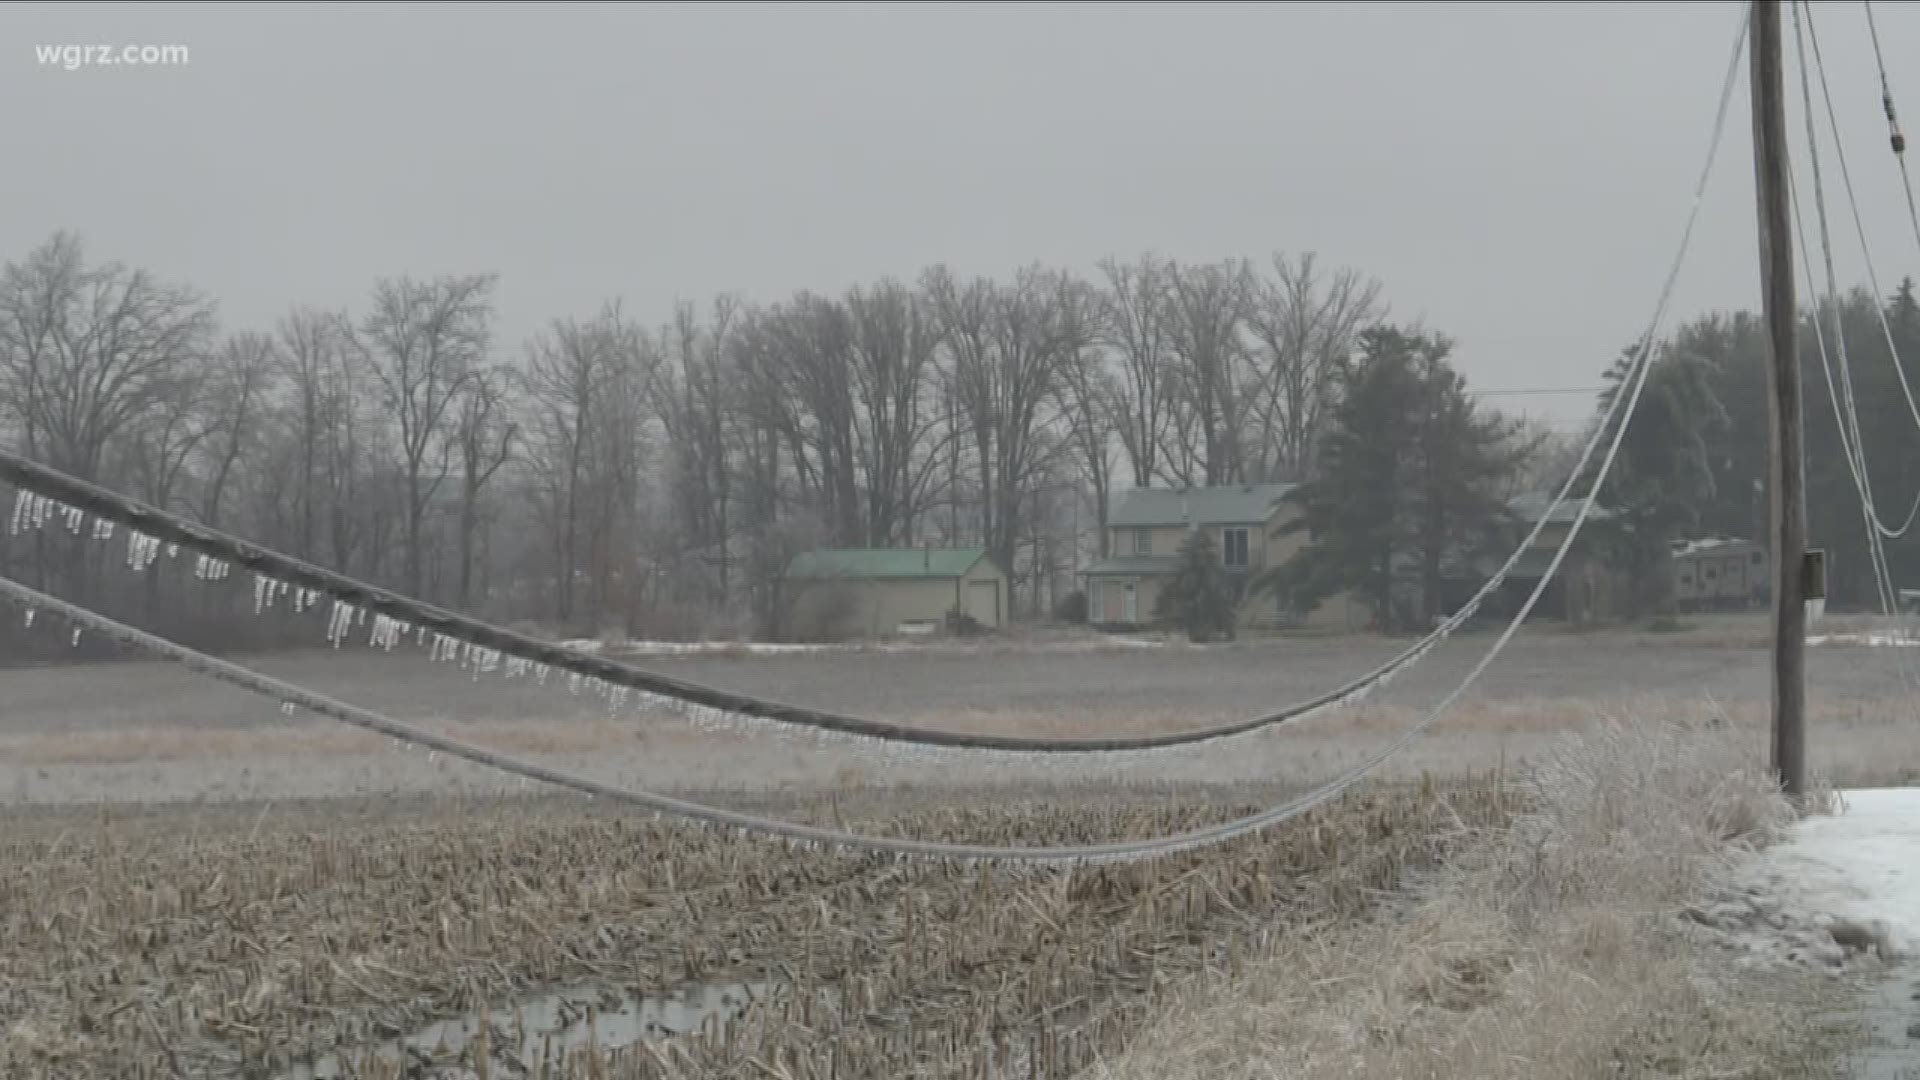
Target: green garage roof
x: 885, y: 562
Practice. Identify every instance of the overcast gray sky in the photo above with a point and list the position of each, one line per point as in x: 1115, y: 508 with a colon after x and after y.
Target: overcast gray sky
x: 1516, y: 174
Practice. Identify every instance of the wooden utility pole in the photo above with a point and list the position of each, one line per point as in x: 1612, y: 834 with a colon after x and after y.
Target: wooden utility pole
x: 1788, y: 518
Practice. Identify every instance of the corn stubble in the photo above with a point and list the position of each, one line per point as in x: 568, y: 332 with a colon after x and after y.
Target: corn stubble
x: 226, y: 943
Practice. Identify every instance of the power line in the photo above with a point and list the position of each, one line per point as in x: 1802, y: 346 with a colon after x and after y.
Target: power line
x: 399, y: 616
x: 1119, y: 851
x: 1895, y: 138
x: 1872, y: 277
x: 1846, y: 415
x: 1847, y: 419
x: 1859, y: 223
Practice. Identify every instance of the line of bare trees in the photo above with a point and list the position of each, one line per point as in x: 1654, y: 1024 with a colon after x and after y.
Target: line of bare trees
x: 608, y: 472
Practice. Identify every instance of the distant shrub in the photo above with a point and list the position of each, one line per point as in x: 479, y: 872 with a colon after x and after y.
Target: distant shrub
x: 1072, y: 608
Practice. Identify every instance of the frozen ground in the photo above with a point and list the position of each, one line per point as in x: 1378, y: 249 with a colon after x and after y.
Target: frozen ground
x: 150, y: 732
x: 1862, y: 863
x: 1842, y: 894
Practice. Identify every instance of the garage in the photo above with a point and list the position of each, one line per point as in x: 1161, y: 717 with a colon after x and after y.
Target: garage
x: 835, y: 594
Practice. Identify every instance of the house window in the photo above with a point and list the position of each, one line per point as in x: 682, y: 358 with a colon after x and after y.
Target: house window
x: 1143, y: 541
x: 1233, y: 548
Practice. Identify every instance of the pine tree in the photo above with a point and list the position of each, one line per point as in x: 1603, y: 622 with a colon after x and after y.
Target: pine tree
x: 1664, y: 476
x: 1411, y: 474
x: 1466, y: 455
x: 1199, y: 597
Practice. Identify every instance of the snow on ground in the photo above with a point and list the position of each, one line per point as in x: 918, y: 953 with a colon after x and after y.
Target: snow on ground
x: 1861, y: 864
x: 694, y: 648
x: 1880, y: 639
x: 768, y: 648
x: 1839, y: 893
x: 1839, y: 890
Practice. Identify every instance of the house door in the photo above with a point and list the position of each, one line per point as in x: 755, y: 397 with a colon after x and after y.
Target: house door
x: 1130, y: 605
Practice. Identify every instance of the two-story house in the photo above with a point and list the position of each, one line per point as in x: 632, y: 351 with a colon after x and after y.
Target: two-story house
x: 1147, y: 526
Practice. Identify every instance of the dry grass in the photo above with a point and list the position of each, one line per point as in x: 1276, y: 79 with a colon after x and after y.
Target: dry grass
x: 1549, y: 949
x: 150, y: 744
x: 227, y: 943
x: 564, y: 735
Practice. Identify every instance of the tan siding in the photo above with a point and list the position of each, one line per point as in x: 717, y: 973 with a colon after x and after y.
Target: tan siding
x: 1166, y: 541
x: 1281, y: 546
x: 876, y: 608
x: 990, y: 610
x: 1149, y: 593
x: 1113, y: 598
x: 902, y: 601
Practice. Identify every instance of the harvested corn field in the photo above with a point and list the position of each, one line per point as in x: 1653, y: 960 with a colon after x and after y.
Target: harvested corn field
x: 277, y: 941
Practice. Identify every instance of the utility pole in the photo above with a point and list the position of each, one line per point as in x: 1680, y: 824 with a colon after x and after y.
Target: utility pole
x: 1788, y: 517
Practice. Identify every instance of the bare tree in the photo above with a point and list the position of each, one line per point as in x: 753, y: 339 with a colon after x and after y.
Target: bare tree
x: 1216, y: 387
x: 487, y: 434
x: 1089, y: 395
x: 153, y: 454
x: 810, y: 355
x: 86, y: 352
x: 1546, y: 456
x: 571, y: 374
x: 895, y: 350
x: 695, y: 397
x: 771, y: 537
x: 320, y: 361
x: 426, y: 339
x: 1136, y: 308
x: 1008, y: 345
x: 237, y: 386
x: 1304, y: 327
x: 88, y: 356
x: 617, y: 474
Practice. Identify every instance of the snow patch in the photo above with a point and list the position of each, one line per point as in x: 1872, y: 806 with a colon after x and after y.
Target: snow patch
x: 1838, y: 891
x: 1873, y: 640
x: 769, y: 648
x: 1861, y: 864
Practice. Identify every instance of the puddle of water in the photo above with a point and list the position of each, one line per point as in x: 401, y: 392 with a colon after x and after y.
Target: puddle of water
x: 1889, y: 1013
x: 556, y: 1023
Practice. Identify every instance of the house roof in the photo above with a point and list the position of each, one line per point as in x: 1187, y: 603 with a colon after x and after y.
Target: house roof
x: 885, y: 562
x: 1530, y: 506
x: 1718, y: 545
x: 1135, y: 564
x: 1234, y: 504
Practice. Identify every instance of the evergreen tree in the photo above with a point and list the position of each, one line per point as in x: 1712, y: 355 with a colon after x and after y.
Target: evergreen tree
x: 1410, y: 478
x: 1199, y: 597
x: 1466, y: 455
x: 1664, y: 477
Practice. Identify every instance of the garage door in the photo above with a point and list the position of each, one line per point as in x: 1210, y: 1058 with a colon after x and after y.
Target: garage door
x: 983, y: 602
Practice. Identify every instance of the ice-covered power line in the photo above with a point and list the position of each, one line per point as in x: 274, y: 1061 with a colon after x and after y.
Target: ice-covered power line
x: 1079, y: 854
x: 43, y: 488
x: 1841, y: 395
x: 1075, y: 854
x: 1859, y: 223
x: 46, y: 494
x: 1895, y: 137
